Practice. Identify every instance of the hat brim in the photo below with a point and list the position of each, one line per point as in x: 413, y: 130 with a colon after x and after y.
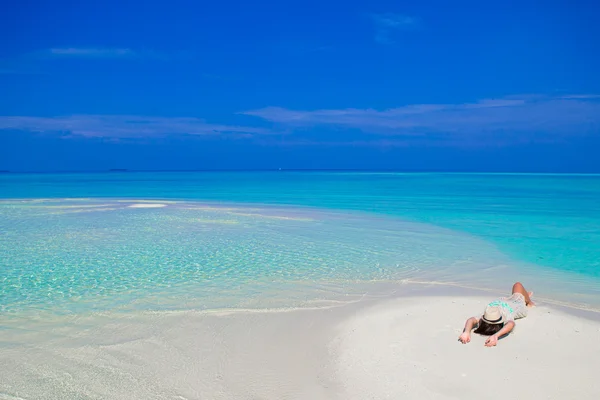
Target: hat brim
x: 494, y: 322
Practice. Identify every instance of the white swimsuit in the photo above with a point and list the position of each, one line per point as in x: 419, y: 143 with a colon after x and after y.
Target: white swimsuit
x: 512, y: 307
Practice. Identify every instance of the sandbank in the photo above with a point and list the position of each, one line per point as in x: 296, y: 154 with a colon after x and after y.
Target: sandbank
x: 147, y: 205
x: 376, y: 348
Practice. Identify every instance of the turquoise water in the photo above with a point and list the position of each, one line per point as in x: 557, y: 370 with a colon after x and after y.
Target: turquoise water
x: 73, y: 243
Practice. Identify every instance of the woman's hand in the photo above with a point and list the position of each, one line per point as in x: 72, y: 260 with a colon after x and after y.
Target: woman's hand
x: 465, y: 337
x: 491, y: 341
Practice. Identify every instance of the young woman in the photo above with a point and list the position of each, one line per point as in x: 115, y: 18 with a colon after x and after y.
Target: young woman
x: 499, y: 316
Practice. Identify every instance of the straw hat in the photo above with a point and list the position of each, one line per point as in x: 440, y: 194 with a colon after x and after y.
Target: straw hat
x: 492, y: 315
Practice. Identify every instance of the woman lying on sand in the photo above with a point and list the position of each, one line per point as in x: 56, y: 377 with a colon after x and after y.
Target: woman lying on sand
x: 499, y: 316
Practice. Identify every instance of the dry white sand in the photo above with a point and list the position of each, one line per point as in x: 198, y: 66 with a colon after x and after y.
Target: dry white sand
x: 408, y: 348
x: 404, y: 347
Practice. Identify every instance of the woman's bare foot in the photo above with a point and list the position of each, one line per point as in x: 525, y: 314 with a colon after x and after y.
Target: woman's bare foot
x: 531, y: 303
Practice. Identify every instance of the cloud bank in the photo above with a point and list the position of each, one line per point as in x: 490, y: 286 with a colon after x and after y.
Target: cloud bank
x: 122, y: 126
x: 490, y: 122
x: 512, y: 119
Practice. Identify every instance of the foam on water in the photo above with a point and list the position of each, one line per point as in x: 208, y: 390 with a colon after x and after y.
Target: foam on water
x: 147, y: 205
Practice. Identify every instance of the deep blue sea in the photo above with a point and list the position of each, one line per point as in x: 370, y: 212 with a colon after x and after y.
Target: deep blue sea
x: 173, y: 240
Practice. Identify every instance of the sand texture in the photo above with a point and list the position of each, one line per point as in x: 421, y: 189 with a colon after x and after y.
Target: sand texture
x: 408, y: 348
x: 405, y: 347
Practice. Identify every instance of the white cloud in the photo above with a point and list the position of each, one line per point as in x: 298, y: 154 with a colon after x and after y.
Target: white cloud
x: 385, y: 24
x: 122, y: 126
x: 92, y: 52
x: 32, y: 63
x: 515, y: 118
x: 104, y: 53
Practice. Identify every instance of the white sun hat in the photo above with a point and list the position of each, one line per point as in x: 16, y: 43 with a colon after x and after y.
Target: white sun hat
x: 492, y: 315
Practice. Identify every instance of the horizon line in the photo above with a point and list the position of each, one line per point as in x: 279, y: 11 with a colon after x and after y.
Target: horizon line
x: 357, y: 170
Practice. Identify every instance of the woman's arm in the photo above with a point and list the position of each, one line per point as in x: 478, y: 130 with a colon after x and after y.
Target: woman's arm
x: 493, y: 340
x: 465, y: 336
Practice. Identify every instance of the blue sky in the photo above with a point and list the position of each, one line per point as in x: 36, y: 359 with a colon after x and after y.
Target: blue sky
x: 428, y: 85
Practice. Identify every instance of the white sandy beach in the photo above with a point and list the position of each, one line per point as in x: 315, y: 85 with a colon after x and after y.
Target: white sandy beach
x: 405, y: 347
x: 408, y: 348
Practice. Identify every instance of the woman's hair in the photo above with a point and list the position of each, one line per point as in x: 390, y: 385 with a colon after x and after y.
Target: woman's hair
x: 487, y: 329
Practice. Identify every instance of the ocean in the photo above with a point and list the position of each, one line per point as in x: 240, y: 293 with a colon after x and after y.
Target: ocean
x: 79, y: 243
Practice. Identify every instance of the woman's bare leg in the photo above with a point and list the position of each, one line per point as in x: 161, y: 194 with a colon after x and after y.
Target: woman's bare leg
x: 519, y: 288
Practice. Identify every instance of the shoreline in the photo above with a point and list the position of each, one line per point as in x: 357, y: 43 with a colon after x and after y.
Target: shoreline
x: 369, y: 348
x: 358, y: 292
x: 430, y: 289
